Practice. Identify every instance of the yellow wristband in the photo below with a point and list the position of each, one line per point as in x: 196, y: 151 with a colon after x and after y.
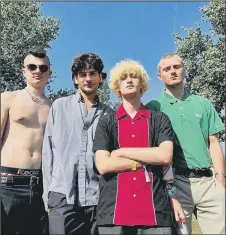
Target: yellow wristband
x: 134, y: 166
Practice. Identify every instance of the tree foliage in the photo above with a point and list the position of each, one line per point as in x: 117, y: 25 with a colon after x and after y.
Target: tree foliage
x: 103, y: 93
x: 204, y: 56
x: 22, y: 27
x: 25, y: 27
x: 60, y: 93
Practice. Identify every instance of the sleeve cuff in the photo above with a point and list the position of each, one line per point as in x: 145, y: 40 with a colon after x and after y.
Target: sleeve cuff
x: 45, y: 200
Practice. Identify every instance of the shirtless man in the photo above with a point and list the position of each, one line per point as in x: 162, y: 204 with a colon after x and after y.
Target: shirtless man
x: 23, y: 117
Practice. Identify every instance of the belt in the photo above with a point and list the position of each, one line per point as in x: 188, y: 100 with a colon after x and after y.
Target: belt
x: 11, y: 180
x: 20, y: 172
x: 194, y: 173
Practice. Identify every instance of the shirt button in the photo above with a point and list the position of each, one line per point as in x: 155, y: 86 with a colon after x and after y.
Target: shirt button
x: 132, y: 122
x: 83, y: 140
x: 133, y: 135
x: 134, y: 178
x: 134, y: 195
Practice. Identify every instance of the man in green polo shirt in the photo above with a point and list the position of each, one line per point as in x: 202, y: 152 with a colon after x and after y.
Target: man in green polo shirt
x: 196, y: 124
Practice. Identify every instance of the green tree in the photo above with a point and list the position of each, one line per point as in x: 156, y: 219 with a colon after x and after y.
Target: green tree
x: 22, y: 27
x: 60, y: 93
x: 103, y: 92
x: 115, y: 105
x: 204, y: 56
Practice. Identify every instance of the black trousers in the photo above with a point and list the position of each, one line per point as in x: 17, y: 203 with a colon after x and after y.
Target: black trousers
x: 22, y: 210
x: 69, y: 219
x: 135, y: 230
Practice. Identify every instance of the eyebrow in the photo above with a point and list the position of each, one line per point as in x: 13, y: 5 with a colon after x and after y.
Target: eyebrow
x: 90, y: 71
x: 172, y: 66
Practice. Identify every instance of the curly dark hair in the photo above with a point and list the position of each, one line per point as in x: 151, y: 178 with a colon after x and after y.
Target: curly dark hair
x: 87, y: 61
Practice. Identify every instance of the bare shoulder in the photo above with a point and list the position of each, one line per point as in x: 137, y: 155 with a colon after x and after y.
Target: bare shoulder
x: 47, y: 104
x: 7, y: 98
x: 9, y: 95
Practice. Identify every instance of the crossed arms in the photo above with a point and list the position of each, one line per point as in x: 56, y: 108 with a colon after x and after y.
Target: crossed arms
x: 121, y: 159
x: 109, y: 160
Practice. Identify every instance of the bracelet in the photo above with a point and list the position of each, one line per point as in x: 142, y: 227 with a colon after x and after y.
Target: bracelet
x: 172, y: 191
x: 134, y: 166
x: 220, y: 173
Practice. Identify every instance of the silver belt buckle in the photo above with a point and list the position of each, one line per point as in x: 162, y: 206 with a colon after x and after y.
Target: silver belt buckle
x: 192, y: 174
x: 9, y: 180
x: 34, y: 180
x: 3, y: 179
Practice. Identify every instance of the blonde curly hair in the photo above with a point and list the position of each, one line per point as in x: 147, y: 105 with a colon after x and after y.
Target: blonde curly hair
x: 125, y: 67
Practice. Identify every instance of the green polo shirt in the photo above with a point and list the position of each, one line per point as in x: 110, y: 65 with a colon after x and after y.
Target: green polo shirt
x: 193, y: 119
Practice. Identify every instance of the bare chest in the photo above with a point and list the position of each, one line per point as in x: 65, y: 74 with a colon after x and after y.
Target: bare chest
x: 29, y: 114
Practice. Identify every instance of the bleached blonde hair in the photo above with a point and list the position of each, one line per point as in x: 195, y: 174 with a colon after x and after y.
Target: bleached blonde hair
x: 126, y: 67
x: 170, y: 55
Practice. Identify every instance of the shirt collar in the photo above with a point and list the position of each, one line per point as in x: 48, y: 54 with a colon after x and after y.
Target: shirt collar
x: 143, y: 111
x: 171, y: 99
x: 81, y: 99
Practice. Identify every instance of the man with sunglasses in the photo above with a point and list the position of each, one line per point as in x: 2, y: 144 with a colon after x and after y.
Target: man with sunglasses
x: 70, y: 179
x: 23, y: 117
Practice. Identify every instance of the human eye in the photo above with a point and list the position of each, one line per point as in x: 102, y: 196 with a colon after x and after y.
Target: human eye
x: 177, y: 66
x: 82, y: 74
x: 123, y: 78
x: 166, y: 69
x: 93, y: 73
x: 133, y: 75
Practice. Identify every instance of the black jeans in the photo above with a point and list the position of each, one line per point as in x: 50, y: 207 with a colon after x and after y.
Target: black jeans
x: 22, y: 210
x: 135, y: 230
x: 70, y: 219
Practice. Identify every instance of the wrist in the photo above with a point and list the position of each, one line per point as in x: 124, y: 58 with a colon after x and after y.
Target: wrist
x: 172, y: 191
x: 220, y: 174
x: 134, y: 166
x: 139, y: 165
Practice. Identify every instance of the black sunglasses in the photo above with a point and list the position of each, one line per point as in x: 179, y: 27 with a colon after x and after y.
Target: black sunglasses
x: 33, y: 67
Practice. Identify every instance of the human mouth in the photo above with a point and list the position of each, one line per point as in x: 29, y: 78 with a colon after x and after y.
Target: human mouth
x: 37, y: 77
x: 174, y: 77
x: 89, y: 85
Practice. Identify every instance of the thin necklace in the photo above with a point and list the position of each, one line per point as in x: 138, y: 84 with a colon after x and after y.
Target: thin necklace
x: 38, y: 100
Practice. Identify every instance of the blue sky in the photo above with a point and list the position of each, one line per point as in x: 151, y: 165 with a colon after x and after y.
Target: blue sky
x: 118, y: 30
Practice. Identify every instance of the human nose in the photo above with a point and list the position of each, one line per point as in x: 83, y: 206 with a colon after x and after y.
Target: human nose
x: 37, y: 70
x: 129, y: 79
x: 88, y: 77
x: 173, y: 71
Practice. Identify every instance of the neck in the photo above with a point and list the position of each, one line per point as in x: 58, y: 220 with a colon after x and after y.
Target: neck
x: 131, y: 105
x: 38, y: 92
x: 175, y: 91
x: 88, y: 98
